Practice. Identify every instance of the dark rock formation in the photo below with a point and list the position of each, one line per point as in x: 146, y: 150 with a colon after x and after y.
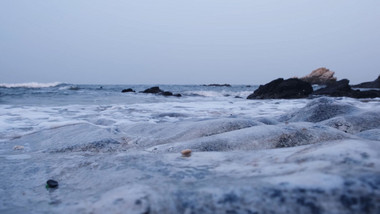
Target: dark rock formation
x: 218, y: 85
x: 158, y: 91
x: 153, y: 90
x: 343, y: 89
x: 340, y: 88
x: 283, y: 89
x: 127, y: 90
x: 373, y: 84
x: 320, y: 76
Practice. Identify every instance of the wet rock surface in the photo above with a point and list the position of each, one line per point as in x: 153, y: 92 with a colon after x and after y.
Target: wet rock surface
x: 294, y: 88
x: 283, y: 89
x: 343, y: 89
x: 158, y: 91
x: 371, y: 84
x: 320, y: 158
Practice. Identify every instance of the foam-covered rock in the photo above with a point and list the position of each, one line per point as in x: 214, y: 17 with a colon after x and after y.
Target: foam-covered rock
x: 257, y: 137
x: 250, y: 164
x: 146, y: 134
x: 355, y: 123
x: 318, y: 110
x: 372, y: 134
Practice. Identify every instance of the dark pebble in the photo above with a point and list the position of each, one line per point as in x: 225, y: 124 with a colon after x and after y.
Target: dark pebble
x: 52, y: 184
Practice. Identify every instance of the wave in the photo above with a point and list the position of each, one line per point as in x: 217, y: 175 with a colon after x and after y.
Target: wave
x: 30, y: 85
x: 218, y: 93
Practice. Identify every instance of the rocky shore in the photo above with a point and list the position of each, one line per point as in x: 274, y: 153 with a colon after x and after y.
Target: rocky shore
x: 295, y: 88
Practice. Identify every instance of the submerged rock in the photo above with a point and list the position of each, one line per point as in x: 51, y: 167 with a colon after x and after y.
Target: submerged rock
x: 320, y: 76
x: 317, y: 110
x: 257, y: 138
x: 283, y: 89
x: 372, y: 84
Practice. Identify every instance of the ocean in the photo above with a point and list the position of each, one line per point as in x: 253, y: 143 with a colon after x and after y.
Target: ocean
x: 120, y: 152
x: 30, y: 107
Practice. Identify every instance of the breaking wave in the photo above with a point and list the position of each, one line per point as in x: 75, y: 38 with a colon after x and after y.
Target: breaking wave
x: 30, y: 85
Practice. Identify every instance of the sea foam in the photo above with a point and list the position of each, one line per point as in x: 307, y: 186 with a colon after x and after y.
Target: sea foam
x: 29, y: 85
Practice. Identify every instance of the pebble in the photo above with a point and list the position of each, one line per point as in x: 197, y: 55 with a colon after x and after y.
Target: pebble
x: 51, y: 184
x: 186, y: 153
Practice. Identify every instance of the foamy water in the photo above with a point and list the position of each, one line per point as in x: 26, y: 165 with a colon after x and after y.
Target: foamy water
x: 29, y: 109
x: 114, y: 152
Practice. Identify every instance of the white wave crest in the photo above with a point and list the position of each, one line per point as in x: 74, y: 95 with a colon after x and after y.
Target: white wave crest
x: 29, y: 85
x: 219, y: 93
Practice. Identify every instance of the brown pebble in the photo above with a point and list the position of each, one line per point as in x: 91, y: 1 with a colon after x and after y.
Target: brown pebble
x: 186, y: 153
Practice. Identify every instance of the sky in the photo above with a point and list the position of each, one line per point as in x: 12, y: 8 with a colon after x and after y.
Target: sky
x: 186, y: 42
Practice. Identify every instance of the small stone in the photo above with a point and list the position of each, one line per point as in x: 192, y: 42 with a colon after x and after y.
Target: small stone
x: 17, y: 147
x: 51, y: 184
x: 186, y: 153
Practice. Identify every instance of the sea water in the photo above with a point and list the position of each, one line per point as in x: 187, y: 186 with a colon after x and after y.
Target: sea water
x: 114, y: 152
x: 30, y: 107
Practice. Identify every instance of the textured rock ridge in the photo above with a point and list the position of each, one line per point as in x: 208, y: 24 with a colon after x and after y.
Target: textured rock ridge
x: 320, y: 76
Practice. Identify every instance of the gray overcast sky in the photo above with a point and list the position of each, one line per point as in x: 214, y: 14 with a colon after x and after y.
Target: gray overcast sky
x: 185, y: 42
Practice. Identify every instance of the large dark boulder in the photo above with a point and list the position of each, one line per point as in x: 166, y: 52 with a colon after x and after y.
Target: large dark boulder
x: 343, y: 89
x: 340, y: 88
x: 283, y: 89
x: 373, y: 84
x: 153, y: 90
x: 158, y: 91
x: 365, y: 94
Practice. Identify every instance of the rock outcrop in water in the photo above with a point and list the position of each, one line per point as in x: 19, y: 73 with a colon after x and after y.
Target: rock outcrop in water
x: 158, y: 91
x: 218, y: 85
x: 320, y: 76
x: 283, y: 89
x: 372, y: 84
x: 343, y: 89
x: 127, y: 90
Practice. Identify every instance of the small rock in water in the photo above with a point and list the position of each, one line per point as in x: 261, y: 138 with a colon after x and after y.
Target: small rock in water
x: 17, y: 147
x: 186, y: 153
x: 51, y: 184
x: 127, y: 90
